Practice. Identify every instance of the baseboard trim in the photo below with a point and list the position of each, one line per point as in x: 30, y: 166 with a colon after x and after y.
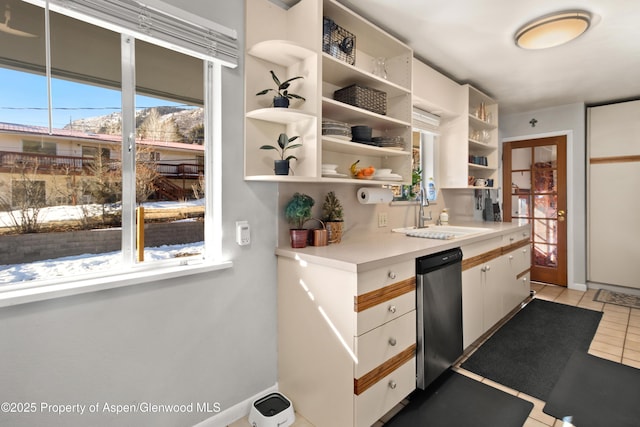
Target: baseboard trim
x: 236, y: 412
x: 578, y: 287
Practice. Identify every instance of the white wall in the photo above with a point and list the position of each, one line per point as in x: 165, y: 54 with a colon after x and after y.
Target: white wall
x: 205, y: 338
x: 569, y: 120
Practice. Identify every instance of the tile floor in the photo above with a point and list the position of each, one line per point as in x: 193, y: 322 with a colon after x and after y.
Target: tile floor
x: 617, y: 339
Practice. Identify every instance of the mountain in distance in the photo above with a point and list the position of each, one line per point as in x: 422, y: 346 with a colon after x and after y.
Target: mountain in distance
x: 165, y: 124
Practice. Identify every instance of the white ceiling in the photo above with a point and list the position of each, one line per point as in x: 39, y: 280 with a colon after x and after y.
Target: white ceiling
x: 471, y: 41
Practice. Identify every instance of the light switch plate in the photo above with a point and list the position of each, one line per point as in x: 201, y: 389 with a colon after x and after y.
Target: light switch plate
x: 243, y: 233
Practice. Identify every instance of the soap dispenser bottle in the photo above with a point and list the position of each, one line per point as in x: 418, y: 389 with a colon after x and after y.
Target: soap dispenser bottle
x: 444, y: 217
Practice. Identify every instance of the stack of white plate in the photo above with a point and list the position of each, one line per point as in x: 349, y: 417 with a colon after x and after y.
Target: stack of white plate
x: 386, y: 175
x: 329, y: 170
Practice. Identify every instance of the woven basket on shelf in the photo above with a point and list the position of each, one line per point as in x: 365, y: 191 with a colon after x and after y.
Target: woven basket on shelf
x: 363, y: 97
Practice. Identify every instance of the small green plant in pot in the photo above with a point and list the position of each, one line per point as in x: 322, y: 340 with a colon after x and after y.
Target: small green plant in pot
x: 282, y: 166
x: 297, y: 212
x: 282, y: 97
x: 332, y: 214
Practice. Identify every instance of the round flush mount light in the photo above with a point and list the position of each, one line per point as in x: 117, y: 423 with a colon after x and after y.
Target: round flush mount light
x: 553, y: 30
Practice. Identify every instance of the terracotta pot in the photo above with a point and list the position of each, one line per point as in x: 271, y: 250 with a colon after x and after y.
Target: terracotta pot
x: 299, y: 237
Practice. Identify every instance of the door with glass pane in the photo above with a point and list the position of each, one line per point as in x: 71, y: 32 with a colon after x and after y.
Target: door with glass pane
x: 536, y: 170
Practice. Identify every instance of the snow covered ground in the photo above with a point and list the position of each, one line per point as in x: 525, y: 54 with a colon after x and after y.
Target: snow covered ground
x: 80, y: 264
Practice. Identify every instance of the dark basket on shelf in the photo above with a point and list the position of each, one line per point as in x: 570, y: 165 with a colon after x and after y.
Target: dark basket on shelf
x: 338, y: 42
x: 363, y: 97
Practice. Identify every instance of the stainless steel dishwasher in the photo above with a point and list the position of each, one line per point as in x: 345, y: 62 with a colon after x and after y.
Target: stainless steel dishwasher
x: 439, y: 314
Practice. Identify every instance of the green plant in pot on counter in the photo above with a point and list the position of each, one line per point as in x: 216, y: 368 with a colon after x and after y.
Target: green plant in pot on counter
x: 332, y: 214
x: 282, y: 97
x: 282, y: 166
x: 297, y: 212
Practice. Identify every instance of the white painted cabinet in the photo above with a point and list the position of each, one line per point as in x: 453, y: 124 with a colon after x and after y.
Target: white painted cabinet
x: 495, y: 280
x: 292, y: 45
x: 613, y: 203
x: 346, y: 340
x: 470, y: 142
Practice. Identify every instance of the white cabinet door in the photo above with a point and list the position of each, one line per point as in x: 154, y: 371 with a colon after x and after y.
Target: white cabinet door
x: 493, y: 276
x: 614, y: 174
x: 516, y: 290
x: 472, y: 306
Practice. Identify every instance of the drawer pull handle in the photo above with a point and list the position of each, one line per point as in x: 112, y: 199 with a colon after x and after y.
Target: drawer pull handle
x: 524, y: 279
x: 486, y: 268
x: 392, y: 308
x: 524, y: 251
x: 510, y: 256
x: 512, y: 238
x: 392, y: 275
x: 392, y: 342
x: 393, y: 385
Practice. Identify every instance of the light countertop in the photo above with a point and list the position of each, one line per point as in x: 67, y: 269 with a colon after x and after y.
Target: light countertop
x: 366, y: 251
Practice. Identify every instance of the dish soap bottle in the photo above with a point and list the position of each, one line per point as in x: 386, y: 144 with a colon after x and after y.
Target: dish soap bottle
x: 444, y: 217
x: 431, y: 190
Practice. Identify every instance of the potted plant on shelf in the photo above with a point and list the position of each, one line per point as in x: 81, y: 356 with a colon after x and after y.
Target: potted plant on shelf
x: 332, y: 214
x: 297, y: 212
x: 281, y: 166
x: 282, y: 90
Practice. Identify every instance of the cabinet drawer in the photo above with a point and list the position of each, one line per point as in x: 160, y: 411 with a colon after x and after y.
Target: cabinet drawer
x: 516, y: 236
x: 385, y: 312
x: 385, y: 394
x: 519, y: 259
x: 369, y: 281
x: 382, y: 343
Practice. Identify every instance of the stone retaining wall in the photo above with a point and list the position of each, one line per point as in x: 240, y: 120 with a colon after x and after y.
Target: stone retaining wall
x: 22, y: 248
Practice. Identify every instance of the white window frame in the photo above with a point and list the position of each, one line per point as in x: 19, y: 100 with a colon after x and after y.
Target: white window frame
x: 136, y: 273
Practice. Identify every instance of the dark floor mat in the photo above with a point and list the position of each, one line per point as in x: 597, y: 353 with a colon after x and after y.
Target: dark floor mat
x: 529, y: 352
x: 458, y: 401
x: 596, y: 392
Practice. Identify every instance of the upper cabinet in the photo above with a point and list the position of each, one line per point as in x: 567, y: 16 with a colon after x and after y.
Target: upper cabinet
x: 470, y: 143
x: 334, y: 50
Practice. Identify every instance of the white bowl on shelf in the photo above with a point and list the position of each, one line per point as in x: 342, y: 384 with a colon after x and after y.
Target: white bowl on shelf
x: 382, y: 172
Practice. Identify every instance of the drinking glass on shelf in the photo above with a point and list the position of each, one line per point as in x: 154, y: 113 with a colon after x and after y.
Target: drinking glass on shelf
x: 380, y: 67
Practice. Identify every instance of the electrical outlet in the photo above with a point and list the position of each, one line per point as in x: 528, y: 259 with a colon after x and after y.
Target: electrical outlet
x: 382, y: 219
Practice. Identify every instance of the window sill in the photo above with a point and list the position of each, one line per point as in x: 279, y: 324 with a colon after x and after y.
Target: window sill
x: 69, y: 288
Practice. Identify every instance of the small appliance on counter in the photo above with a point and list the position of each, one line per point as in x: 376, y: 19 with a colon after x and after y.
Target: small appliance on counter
x: 272, y: 410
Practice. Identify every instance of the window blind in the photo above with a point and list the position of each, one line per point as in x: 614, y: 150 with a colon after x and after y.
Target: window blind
x: 156, y: 22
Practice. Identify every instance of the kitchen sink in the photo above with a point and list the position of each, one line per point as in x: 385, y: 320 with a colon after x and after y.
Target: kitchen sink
x: 442, y: 232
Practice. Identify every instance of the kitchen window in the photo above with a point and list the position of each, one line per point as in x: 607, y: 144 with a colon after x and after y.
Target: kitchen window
x: 129, y: 91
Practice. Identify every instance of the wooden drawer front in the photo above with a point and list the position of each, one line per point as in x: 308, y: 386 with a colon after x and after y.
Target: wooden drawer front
x: 385, y: 394
x: 371, y: 280
x: 385, y: 312
x: 384, y: 342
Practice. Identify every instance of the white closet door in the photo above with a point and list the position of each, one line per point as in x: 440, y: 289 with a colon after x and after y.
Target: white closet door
x: 614, y: 188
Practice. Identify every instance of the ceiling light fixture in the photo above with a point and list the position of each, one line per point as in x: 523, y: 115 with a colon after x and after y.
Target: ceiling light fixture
x: 553, y: 30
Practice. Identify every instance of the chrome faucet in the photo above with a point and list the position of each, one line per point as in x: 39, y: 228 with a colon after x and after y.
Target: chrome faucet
x: 424, y: 201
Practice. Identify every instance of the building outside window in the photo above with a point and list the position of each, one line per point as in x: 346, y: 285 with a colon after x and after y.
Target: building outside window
x: 69, y: 165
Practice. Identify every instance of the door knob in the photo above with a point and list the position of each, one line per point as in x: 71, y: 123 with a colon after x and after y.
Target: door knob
x: 392, y: 342
x: 561, y: 215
